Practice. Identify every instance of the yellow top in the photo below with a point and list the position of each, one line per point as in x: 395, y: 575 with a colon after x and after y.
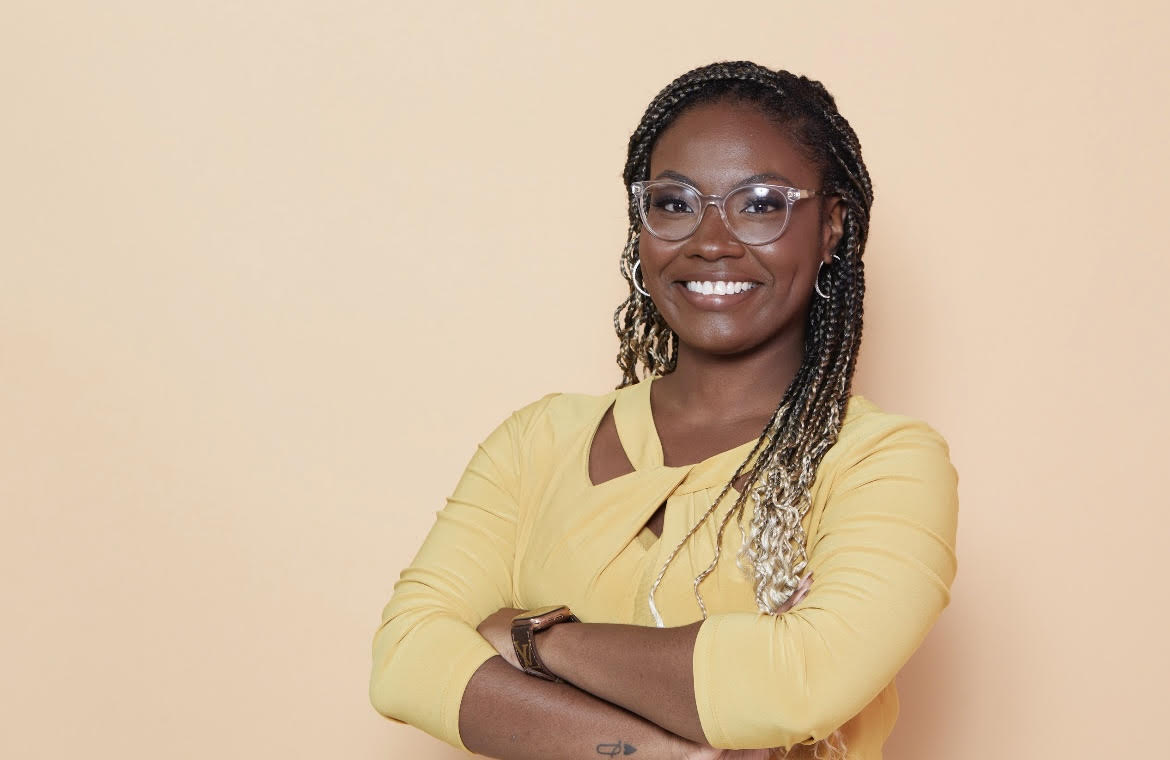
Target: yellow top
x: 525, y: 527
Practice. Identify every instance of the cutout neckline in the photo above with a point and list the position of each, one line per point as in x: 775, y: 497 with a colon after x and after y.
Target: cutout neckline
x: 634, y: 417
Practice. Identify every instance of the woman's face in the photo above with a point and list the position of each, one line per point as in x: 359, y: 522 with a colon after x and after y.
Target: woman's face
x: 716, y: 147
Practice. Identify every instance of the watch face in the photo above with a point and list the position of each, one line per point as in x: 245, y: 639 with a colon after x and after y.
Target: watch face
x: 542, y: 616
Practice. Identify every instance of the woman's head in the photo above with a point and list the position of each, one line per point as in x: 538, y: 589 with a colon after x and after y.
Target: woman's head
x: 804, y: 110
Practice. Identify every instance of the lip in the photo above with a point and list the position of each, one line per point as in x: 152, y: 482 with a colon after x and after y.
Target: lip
x: 713, y: 301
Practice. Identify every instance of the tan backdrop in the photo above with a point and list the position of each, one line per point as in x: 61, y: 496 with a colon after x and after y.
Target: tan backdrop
x: 271, y: 270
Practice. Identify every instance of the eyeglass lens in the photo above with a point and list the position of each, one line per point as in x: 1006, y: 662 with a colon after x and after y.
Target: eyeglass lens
x: 755, y: 213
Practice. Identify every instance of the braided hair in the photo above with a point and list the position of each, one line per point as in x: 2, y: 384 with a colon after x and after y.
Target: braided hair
x: 782, y: 465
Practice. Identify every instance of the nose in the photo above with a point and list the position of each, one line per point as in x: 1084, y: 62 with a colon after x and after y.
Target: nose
x: 712, y: 239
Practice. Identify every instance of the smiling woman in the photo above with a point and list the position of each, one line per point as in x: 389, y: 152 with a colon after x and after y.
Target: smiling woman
x: 579, y: 595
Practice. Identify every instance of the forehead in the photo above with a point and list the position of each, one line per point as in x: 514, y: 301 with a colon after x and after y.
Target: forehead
x: 718, y: 145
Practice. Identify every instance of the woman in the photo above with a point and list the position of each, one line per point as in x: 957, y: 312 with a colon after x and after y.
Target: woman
x: 749, y: 208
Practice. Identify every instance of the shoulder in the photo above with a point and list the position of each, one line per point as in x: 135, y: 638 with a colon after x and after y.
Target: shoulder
x: 867, y: 428
x: 890, y: 463
x: 540, y: 438
x: 877, y: 447
x: 557, y: 417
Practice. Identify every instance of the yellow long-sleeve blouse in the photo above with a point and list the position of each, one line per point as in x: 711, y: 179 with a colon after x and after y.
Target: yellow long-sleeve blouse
x: 525, y: 527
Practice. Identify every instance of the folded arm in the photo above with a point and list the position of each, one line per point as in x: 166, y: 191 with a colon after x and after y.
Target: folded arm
x: 508, y: 714
x: 883, y: 558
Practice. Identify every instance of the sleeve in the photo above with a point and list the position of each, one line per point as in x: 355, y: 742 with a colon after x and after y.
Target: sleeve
x: 883, y: 563
x: 426, y: 648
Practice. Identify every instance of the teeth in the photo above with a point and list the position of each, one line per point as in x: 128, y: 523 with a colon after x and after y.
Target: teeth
x: 719, y: 287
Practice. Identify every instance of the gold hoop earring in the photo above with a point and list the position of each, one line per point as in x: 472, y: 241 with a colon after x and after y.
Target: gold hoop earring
x: 817, y: 281
x: 634, y: 279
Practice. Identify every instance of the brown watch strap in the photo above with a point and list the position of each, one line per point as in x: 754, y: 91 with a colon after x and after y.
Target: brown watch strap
x: 524, y: 630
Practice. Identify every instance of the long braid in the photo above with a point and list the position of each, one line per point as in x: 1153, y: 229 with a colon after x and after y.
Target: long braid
x: 782, y: 465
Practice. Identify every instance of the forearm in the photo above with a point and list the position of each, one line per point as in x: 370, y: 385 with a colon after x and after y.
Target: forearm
x: 648, y: 671
x: 509, y: 715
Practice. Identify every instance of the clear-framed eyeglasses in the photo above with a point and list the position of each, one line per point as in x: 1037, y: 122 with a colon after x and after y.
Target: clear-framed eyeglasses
x: 756, y: 214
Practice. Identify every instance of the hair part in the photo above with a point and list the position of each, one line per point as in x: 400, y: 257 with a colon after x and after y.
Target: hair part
x: 782, y: 465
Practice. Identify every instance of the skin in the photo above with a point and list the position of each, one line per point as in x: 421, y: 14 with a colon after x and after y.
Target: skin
x: 637, y: 681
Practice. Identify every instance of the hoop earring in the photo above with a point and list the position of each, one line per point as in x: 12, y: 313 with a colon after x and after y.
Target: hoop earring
x: 817, y: 282
x: 634, y: 279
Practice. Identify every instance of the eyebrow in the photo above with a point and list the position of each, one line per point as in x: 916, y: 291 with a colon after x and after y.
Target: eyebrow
x: 765, y: 177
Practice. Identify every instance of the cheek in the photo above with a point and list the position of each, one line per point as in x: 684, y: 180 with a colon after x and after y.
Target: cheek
x: 796, y: 253
x: 653, y: 253
x: 644, y: 250
x: 804, y: 232
x: 787, y: 260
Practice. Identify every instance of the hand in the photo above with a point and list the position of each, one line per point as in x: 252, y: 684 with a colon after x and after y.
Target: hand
x: 801, y: 589
x: 497, y: 630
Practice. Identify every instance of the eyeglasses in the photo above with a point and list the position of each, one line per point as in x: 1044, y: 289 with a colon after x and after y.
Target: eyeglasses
x: 756, y: 214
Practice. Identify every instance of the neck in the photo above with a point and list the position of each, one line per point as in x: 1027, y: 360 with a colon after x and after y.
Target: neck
x: 738, y: 387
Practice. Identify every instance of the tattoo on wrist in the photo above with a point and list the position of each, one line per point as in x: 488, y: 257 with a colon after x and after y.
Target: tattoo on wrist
x: 616, y: 748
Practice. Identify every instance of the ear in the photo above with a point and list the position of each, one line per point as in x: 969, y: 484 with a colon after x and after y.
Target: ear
x: 833, y: 227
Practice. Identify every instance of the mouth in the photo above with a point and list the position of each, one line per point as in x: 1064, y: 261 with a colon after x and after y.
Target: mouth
x: 715, y: 295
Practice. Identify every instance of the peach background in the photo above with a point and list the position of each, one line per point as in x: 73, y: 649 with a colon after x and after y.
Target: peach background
x: 270, y: 270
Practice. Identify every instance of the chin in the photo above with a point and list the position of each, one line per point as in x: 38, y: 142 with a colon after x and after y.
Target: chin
x: 723, y: 345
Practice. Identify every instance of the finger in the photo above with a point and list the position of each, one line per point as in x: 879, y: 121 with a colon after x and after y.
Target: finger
x: 802, y: 589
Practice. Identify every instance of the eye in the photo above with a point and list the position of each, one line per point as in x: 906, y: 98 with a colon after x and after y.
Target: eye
x: 669, y: 203
x: 760, y: 206
x: 761, y: 200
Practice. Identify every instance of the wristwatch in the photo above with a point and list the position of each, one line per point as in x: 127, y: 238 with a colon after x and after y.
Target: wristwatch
x: 526, y: 625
